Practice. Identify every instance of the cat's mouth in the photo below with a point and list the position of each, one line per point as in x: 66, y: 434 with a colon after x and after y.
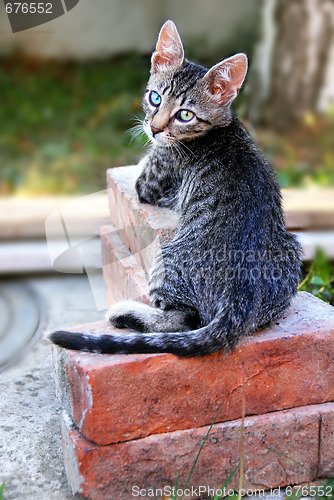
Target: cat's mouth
x: 158, y: 136
x: 163, y: 138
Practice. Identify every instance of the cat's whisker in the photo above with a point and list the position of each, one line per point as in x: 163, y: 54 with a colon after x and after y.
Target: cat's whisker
x: 172, y: 144
x: 138, y: 123
x: 135, y: 128
x: 178, y: 149
x: 183, y: 150
x: 185, y: 147
x: 175, y: 145
x: 136, y: 119
x: 171, y: 147
x: 135, y: 131
x: 148, y: 141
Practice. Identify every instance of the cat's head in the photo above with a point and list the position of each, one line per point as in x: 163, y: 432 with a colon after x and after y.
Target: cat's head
x: 184, y: 100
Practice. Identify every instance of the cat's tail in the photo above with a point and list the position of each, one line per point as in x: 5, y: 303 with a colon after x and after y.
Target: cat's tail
x: 220, y: 333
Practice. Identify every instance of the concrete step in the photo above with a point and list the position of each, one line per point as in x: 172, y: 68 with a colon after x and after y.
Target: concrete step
x: 51, y: 233
x: 311, y: 240
x: 41, y: 256
x: 306, y: 209
x: 26, y: 218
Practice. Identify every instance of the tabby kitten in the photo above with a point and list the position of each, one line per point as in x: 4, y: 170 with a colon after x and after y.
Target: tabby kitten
x: 232, y: 267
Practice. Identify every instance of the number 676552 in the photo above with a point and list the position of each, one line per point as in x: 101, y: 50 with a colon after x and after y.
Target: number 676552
x: 29, y: 8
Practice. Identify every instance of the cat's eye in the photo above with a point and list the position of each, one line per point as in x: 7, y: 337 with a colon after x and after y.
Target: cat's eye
x: 154, y: 98
x: 184, y: 115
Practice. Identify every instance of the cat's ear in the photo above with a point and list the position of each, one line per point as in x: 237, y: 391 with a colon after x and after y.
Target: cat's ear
x: 224, y: 80
x: 169, y: 52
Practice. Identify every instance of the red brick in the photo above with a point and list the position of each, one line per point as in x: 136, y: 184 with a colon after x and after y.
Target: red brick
x: 123, y: 397
x: 122, y: 273
x: 326, y: 451
x: 144, y: 227
x: 104, y: 472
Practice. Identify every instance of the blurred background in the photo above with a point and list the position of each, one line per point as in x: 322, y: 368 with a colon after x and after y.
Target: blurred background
x: 71, y: 91
x: 71, y: 88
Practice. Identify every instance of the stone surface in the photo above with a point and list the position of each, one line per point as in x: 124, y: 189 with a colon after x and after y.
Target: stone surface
x: 123, y: 397
x: 123, y: 274
x: 144, y: 228
x: 280, y: 448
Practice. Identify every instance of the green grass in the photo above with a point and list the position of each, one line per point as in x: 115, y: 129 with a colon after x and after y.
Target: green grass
x: 319, y: 278
x: 229, y: 478
x: 319, y: 489
x: 2, y: 487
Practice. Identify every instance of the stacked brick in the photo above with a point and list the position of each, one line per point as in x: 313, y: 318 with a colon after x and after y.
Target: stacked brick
x: 132, y: 423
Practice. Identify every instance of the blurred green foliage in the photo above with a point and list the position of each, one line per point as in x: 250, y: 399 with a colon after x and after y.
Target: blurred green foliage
x: 319, y: 277
x: 63, y: 125
x: 303, y: 156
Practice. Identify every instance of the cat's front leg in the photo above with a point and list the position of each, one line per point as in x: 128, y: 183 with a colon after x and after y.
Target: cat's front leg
x: 145, y: 189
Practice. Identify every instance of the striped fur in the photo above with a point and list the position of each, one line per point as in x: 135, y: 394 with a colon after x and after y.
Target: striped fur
x: 232, y: 267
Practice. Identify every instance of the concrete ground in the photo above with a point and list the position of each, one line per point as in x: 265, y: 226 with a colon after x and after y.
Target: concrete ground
x: 31, y: 463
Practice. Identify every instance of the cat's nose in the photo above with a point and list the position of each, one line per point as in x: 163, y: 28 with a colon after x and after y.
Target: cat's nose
x: 155, y: 130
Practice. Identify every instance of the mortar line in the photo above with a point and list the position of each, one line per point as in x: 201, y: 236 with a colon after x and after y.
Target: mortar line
x: 319, y: 443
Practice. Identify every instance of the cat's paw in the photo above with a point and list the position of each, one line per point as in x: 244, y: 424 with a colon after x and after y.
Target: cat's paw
x: 146, y: 196
x: 128, y: 315
x: 146, y: 192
